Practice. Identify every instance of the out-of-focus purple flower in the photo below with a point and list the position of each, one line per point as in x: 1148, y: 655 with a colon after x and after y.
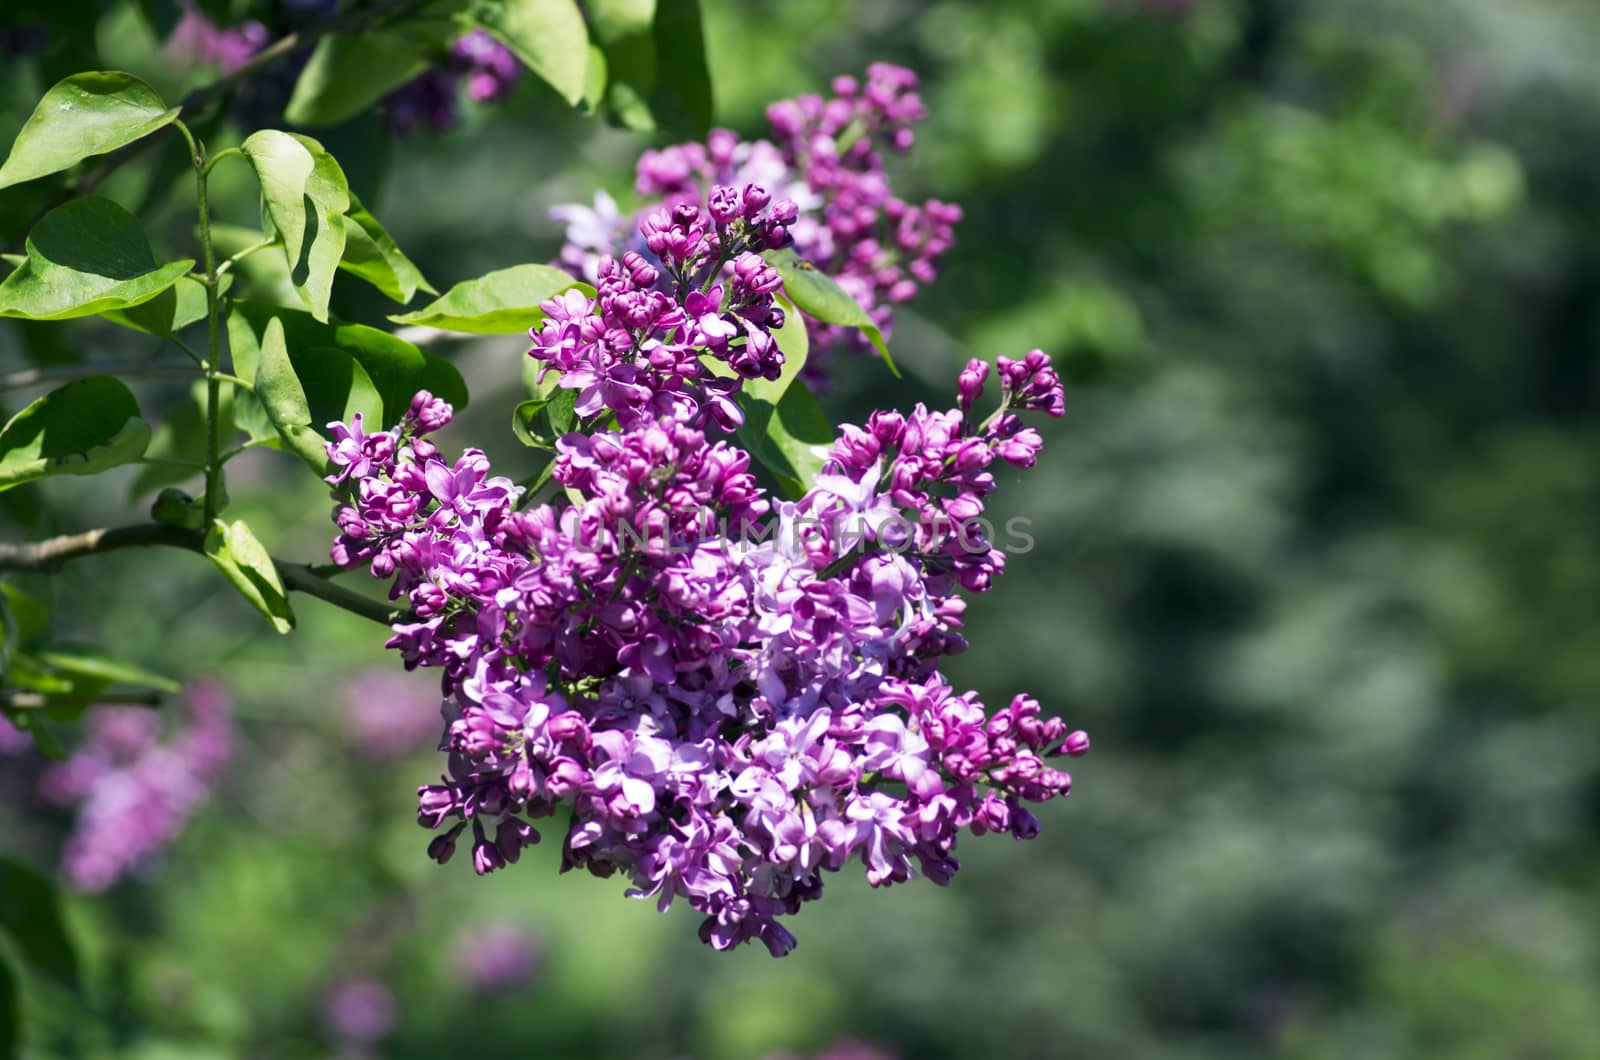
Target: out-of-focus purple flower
x: 428, y: 102
x: 387, y: 714
x: 496, y: 957
x: 13, y: 739
x: 135, y: 787
x: 196, y: 41
x: 490, y: 68
x: 359, y: 1010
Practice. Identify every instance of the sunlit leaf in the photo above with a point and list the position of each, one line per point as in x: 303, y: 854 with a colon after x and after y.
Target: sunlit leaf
x: 88, y: 114
x: 504, y: 302
x: 789, y: 437
x: 245, y: 563
x: 814, y: 292
x: 548, y: 36
x: 304, y: 197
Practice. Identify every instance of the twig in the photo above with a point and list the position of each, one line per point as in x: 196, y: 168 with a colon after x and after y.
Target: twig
x: 65, y: 373
x: 51, y: 553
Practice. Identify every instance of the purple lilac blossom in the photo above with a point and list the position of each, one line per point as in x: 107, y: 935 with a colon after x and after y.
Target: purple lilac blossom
x: 721, y: 709
x: 196, y: 41
x: 827, y: 156
x: 387, y: 714
x: 496, y: 957
x: 13, y: 739
x: 645, y: 345
x: 359, y: 1010
x: 134, y: 788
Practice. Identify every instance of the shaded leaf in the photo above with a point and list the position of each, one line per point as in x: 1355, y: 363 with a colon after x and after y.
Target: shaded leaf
x: 245, y: 563
x: 89, y: 664
x: 370, y: 253
x: 10, y: 1011
x: 788, y: 437
x: 79, y: 429
x: 395, y: 368
x: 498, y: 303
x: 182, y: 437
x: 346, y: 74
x: 86, y: 257
x: 813, y: 291
x: 88, y: 114
x: 539, y: 422
x: 172, y: 310
x: 30, y: 912
x: 278, y: 388
x: 655, y: 65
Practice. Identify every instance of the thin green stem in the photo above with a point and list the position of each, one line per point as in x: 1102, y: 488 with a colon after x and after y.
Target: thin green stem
x: 222, y: 270
x: 213, y: 501
x: 242, y: 384
x: 226, y: 152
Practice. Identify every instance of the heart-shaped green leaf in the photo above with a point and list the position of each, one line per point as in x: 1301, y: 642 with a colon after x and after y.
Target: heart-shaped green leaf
x: 86, y: 115
x: 79, y: 429
x: 278, y: 388
x: 498, y: 303
x: 245, y: 563
x: 86, y: 257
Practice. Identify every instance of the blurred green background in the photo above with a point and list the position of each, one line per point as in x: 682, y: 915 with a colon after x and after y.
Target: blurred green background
x: 1317, y: 568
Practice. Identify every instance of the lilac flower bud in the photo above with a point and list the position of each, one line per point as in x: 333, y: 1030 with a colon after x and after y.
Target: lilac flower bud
x: 443, y: 847
x: 1077, y: 743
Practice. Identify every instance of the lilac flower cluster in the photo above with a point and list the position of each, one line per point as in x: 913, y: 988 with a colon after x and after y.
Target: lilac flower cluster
x: 12, y: 739
x: 135, y: 789
x: 726, y: 704
x: 827, y: 156
x: 493, y: 958
x: 644, y: 345
x: 387, y: 714
x: 429, y: 101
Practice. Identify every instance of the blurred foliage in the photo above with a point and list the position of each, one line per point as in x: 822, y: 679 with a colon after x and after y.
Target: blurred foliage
x: 1316, y: 566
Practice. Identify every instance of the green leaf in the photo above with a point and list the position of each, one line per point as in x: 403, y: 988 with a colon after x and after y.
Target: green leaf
x: 182, y: 437
x: 371, y: 254
x: 304, y: 197
x: 86, y: 115
x: 27, y: 612
x: 10, y: 1011
x: 88, y: 665
x: 786, y: 436
x: 498, y: 303
x: 548, y: 36
x: 347, y: 74
x: 278, y: 389
x: 79, y: 429
x: 796, y: 346
x: 245, y: 563
x: 655, y: 64
x: 813, y: 291
x: 680, y: 100
x: 30, y: 911
x: 86, y: 257
x: 540, y: 422
x: 395, y: 368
